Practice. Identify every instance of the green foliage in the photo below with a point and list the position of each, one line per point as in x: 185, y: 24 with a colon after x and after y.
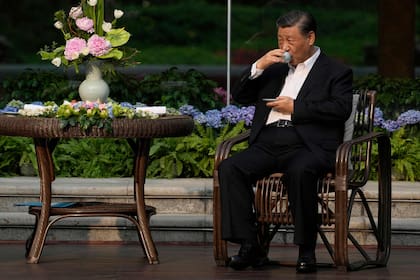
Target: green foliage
x: 191, y: 156
x: 35, y: 85
x: 9, y: 156
x: 93, y: 158
x: 188, y: 30
x: 405, y: 155
x: 174, y: 88
x: 178, y: 23
x: 395, y: 95
x: 14, y: 153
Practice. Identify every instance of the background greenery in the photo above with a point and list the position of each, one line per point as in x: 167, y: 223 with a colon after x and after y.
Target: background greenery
x: 190, y: 156
x: 174, y: 32
x: 194, y: 31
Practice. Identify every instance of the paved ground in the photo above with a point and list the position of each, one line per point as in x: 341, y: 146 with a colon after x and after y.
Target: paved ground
x: 126, y: 261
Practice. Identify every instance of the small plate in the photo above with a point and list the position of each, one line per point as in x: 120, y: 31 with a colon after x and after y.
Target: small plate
x: 269, y: 99
x: 8, y: 113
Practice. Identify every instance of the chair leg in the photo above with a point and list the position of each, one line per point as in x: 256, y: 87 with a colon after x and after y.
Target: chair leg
x: 220, y: 251
x: 341, y: 230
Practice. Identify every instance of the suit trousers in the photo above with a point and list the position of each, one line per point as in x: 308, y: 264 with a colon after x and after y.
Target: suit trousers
x: 275, y: 150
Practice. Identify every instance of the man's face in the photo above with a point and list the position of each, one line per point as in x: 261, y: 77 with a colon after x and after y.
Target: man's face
x: 298, y: 45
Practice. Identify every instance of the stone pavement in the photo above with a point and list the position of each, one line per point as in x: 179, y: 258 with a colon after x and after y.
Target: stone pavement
x: 184, y: 210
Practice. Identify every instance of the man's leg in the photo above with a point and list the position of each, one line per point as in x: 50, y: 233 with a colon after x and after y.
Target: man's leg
x: 301, y: 180
x: 236, y: 176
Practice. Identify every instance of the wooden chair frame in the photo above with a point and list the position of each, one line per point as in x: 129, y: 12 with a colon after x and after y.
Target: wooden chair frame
x: 338, y: 195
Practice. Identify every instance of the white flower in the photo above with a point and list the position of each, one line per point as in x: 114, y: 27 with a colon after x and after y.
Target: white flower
x: 118, y: 13
x: 56, y: 61
x: 58, y: 24
x: 76, y: 12
x: 32, y: 110
x: 85, y: 51
x: 106, y: 26
x: 92, y: 2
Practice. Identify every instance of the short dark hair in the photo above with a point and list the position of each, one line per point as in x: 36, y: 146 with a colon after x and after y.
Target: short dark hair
x: 304, y: 20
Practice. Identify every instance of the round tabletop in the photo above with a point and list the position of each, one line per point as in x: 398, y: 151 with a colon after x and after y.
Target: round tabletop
x: 38, y: 127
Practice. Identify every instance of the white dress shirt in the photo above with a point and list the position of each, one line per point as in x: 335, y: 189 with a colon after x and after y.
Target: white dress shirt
x: 292, y: 85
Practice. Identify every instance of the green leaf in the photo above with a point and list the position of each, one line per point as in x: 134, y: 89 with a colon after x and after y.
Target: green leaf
x: 114, y: 53
x: 117, y: 37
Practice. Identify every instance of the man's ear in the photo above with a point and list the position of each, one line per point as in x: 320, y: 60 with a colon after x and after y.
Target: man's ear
x: 311, y: 38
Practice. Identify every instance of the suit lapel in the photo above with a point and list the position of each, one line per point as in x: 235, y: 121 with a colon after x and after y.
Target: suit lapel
x: 314, y: 76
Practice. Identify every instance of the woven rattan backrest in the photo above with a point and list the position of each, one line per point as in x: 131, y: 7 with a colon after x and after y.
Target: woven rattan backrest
x: 361, y: 153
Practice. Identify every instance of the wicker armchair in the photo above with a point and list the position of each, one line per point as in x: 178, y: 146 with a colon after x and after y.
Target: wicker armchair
x: 339, y: 194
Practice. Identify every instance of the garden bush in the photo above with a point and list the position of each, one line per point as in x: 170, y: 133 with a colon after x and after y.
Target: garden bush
x: 192, y: 156
x: 171, y: 88
x: 395, y: 95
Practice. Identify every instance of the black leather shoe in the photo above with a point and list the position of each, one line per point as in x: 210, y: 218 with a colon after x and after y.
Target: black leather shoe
x: 249, y: 255
x: 306, y: 265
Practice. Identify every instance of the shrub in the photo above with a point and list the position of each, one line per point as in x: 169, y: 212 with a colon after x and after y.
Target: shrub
x: 395, y: 95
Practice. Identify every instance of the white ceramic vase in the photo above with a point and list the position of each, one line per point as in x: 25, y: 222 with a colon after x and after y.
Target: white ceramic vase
x: 94, y: 88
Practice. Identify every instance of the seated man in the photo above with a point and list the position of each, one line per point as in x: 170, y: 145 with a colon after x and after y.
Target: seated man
x: 296, y: 134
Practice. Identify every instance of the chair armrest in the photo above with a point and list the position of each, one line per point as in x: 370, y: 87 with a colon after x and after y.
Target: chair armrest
x: 343, y: 158
x: 344, y: 181
x: 224, y: 148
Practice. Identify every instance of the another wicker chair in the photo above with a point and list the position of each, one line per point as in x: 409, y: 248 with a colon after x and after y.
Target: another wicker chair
x: 339, y: 194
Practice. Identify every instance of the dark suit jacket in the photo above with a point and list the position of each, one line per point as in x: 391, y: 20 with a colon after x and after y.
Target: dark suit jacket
x: 320, y: 109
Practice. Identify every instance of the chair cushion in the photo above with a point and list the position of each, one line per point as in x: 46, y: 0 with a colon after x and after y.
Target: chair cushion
x: 349, y: 124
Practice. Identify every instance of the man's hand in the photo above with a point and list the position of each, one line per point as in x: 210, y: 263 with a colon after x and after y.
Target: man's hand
x: 282, y: 104
x: 271, y: 57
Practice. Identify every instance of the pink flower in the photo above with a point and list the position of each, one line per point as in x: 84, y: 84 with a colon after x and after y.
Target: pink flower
x: 89, y: 105
x: 74, y: 47
x: 85, y: 24
x: 98, y: 45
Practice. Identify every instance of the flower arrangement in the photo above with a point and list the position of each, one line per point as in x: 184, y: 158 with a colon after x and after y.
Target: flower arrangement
x: 88, y: 37
x: 88, y: 114
x: 83, y: 113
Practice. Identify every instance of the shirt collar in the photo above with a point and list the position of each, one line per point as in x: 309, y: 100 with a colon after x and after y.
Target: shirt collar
x: 310, y: 61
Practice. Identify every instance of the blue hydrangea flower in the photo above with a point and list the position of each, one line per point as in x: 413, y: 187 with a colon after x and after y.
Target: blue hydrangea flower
x: 378, y: 117
x: 189, y: 110
x: 77, y: 105
x: 127, y: 105
x: 200, y: 118
x: 109, y: 109
x: 247, y: 114
x: 232, y: 114
x: 214, y: 118
x: 390, y: 125
x: 409, y: 117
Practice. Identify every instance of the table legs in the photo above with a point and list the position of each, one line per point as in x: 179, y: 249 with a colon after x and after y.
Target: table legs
x: 141, y: 151
x: 44, y: 149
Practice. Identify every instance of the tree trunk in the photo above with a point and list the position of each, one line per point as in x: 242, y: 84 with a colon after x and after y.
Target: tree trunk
x: 396, y: 46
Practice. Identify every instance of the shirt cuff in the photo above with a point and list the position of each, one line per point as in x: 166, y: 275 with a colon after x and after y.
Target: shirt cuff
x: 255, y: 72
